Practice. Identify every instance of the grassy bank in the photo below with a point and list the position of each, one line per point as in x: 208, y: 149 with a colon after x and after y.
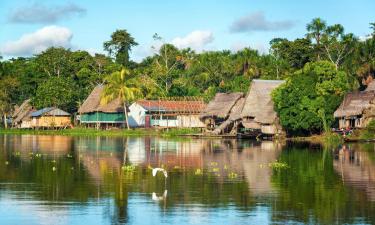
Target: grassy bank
x: 328, y: 139
x: 115, y: 133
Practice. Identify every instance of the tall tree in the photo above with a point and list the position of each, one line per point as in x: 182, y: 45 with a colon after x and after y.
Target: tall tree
x: 8, y: 85
x: 120, y: 46
x: 337, y: 44
x: 315, y: 30
x: 121, y: 85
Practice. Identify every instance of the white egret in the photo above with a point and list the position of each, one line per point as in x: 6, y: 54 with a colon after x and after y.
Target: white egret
x: 155, y: 170
x: 159, y: 198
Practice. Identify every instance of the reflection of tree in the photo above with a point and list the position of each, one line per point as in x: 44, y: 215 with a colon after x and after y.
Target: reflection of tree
x: 311, y: 191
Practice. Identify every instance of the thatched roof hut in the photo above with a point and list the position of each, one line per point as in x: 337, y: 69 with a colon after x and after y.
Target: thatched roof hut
x: 92, y: 103
x: 221, y: 105
x: 22, y: 112
x: 354, y: 104
x: 258, y: 104
x: 234, y: 115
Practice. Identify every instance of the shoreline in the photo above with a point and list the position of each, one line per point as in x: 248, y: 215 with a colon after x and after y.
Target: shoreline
x: 173, y: 132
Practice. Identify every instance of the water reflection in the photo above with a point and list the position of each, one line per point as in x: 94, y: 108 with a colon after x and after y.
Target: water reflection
x: 355, y: 164
x: 105, y: 180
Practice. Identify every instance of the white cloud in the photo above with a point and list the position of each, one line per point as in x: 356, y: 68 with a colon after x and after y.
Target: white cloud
x: 196, y: 40
x: 257, y: 21
x: 38, y: 41
x: 39, y: 13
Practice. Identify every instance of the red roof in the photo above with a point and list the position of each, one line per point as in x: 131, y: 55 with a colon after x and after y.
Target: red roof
x: 173, y: 106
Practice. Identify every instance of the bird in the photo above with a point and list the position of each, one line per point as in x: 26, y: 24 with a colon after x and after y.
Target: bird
x: 155, y: 170
x: 159, y: 198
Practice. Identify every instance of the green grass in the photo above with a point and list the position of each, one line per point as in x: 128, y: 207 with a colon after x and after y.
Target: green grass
x: 173, y: 132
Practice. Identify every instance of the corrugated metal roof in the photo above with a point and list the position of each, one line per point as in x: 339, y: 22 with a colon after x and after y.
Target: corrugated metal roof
x: 172, y: 106
x: 49, y: 111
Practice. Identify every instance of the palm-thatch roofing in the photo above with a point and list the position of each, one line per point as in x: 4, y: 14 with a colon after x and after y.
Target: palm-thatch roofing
x: 92, y: 103
x: 234, y: 115
x: 371, y: 86
x: 221, y: 105
x: 258, y: 103
x: 355, y: 103
x: 23, y: 111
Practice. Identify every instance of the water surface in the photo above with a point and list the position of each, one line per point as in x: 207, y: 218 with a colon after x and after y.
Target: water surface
x: 106, y: 180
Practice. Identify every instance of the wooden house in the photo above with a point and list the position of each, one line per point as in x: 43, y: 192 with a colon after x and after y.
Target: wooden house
x: 50, y: 118
x: 219, y: 109
x: 357, y: 109
x: 93, y: 114
x: 258, y: 114
x: 21, y: 117
x: 166, y: 113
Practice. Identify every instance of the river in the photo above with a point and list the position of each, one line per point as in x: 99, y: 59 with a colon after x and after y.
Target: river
x: 108, y: 180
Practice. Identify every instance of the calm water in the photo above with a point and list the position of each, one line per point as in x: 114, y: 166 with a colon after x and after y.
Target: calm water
x: 89, y: 180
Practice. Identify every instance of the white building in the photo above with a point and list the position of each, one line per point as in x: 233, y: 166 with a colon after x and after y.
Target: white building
x: 162, y: 113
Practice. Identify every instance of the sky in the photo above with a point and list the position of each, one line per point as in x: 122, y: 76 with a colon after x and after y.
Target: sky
x: 28, y: 27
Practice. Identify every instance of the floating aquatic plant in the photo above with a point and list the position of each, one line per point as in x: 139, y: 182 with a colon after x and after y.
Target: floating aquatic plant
x: 278, y: 165
x: 232, y: 175
x: 128, y: 168
x: 198, y: 172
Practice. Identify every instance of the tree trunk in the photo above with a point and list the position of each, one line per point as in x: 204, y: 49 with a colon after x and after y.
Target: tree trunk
x: 5, y: 121
x: 126, y: 116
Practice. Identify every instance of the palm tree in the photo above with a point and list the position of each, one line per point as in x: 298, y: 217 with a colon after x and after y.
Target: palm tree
x: 316, y: 28
x: 123, y: 86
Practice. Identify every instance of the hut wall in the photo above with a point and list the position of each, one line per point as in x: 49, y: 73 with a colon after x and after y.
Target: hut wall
x: 51, y: 121
x: 269, y: 129
x: 100, y: 117
x: 25, y: 124
x: 136, y: 115
x: 190, y: 121
x: 164, y: 121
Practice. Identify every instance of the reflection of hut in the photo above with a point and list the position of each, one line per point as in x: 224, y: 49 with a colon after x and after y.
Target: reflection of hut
x: 219, y: 109
x: 258, y: 113
x: 92, y: 113
x: 166, y: 113
x: 356, y: 169
x: 21, y: 117
x: 50, y: 118
x: 357, y: 109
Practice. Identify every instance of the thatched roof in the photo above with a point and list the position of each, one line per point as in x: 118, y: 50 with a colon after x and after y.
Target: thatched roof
x: 355, y: 103
x: 235, y: 113
x: 221, y: 105
x: 371, y: 86
x: 23, y: 111
x: 92, y: 103
x: 258, y: 103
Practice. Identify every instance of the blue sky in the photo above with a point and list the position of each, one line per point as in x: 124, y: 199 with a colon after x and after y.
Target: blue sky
x: 27, y: 27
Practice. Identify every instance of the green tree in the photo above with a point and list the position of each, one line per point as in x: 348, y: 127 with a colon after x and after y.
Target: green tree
x: 337, y: 44
x: 306, y: 102
x: 57, y: 92
x: 121, y: 85
x: 120, y: 46
x: 8, y: 85
x: 315, y: 30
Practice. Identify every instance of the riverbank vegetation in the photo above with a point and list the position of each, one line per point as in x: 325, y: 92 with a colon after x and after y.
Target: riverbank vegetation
x: 111, y: 133
x: 320, y: 67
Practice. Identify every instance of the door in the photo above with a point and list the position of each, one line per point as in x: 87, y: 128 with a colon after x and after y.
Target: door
x: 147, y: 121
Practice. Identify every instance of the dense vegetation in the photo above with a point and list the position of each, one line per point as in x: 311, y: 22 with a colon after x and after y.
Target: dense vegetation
x: 63, y: 78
